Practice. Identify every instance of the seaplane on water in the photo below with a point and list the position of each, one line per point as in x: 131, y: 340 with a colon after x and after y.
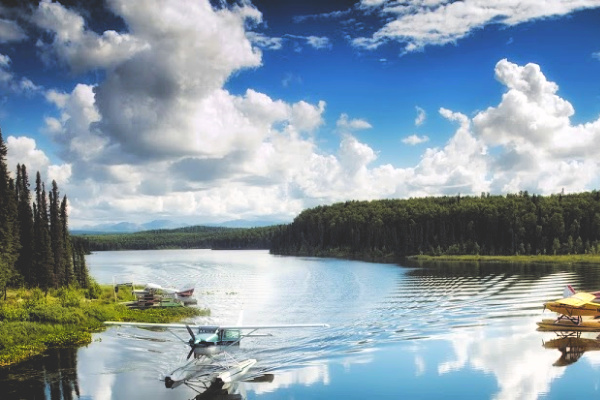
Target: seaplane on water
x: 578, y: 311
x: 209, y: 345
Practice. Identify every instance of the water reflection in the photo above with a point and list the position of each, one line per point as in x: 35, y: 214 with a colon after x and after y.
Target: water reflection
x: 53, y: 376
x: 572, y: 346
x: 423, y: 331
x: 217, y: 390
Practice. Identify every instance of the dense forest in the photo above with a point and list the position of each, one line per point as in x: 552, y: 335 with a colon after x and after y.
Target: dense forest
x: 195, y: 237
x: 487, y: 225
x: 36, y: 249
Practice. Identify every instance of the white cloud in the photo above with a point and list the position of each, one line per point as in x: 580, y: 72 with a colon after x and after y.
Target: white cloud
x: 596, y: 55
x: 171, y: 141
x: 345, y: 124
x: 417, y: 24
x: 319, y: 42
x: 23, y: 150
x: 420, y: 119
x: 266, y: 42
x: 415, y: 139
x: 10, y: 31
x: 77, y: 47
x: 539, y: 148
x: 9, y: 81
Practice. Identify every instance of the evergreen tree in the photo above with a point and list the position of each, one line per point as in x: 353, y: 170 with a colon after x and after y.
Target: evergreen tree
x: 25, y: 217
x: 66, y: 242
x: 79, y: 265
x: 56, y: 237
x: 9, y: 235
x: 43, y: 258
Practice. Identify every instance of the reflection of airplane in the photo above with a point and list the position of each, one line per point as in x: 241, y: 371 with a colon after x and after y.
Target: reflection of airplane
x: 571, y: 346
x: 209, y: 345
x: 219, y: 390
x: 579, y: 311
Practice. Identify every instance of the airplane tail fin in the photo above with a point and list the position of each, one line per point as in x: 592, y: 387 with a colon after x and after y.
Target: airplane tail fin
x: 569, y: 291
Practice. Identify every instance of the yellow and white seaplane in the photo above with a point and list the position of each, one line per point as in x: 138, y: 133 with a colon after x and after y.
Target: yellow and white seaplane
x: 578, y: 311
x: 209, y: 344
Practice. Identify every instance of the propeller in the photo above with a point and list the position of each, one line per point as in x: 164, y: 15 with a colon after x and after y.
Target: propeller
x: 192, y: 342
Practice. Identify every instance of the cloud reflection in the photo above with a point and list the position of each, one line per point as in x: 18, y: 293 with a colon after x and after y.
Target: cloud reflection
x: 523, y: 369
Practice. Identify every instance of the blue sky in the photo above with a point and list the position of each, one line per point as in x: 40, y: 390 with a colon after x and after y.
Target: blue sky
x: 203, y: 112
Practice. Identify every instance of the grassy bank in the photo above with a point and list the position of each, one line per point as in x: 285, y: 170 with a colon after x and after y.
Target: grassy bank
x: 31, y: 322
x: 524, y: 259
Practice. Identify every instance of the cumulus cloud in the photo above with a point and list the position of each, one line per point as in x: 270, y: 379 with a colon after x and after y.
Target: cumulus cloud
x: 160, y: 134
x: 539, y: 148
x: 23, y: 150
x: 418, y: 23
x: 78, y: 47
x: 415, y: 139
x: 10, y: 31
x: 345, y: 124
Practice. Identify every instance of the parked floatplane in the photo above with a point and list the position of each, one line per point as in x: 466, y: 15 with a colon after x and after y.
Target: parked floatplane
x: 209, y: 345
x: 578, y: 311
x: 153, y: 295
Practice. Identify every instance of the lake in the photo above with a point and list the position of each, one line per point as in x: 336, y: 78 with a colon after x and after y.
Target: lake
x: 429, y: 331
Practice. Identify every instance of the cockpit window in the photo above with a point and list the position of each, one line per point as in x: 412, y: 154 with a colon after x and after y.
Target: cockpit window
x: 231, y: 334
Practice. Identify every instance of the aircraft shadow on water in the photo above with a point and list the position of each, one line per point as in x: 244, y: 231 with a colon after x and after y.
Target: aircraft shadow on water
x: 211, y: 369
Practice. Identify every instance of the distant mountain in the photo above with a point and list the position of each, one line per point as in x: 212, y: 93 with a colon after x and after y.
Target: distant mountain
x: 130, y: 227
x: 243, y: 223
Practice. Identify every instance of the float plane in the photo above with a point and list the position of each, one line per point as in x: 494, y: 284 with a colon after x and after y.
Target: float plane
x: 209, y: 344
x: 578, y: 311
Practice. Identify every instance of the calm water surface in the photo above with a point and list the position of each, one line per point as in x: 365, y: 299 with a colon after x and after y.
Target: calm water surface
x: 418, y: 331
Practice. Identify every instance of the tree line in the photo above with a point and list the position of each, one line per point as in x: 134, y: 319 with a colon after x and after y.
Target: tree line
x: 194, y: 237
x: 36, y: 249
x: 488, y: 225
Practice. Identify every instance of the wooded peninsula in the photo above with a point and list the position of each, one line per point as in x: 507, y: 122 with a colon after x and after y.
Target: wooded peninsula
x: 390, y: 230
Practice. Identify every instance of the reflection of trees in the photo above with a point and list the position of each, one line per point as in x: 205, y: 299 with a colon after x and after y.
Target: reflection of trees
x: 54, y: 373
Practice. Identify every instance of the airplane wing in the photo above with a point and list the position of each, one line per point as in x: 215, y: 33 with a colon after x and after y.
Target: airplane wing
x: 184, y: 326
x: 151, y: 325
x: 577, y: 300
x: 255, y: 327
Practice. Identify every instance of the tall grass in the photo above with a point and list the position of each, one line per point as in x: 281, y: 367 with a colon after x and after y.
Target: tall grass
x: 31, y: 322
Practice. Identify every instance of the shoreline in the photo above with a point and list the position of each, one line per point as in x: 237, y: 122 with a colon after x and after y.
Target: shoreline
x: 32, y: 322
x: 522, y: 259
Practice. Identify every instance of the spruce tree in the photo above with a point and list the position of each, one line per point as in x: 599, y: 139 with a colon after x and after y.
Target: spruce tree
x: 67, y: 246
x: 57, y: 236
x: 43, y: 258
x: 9, y: 235
x: 25, y: 217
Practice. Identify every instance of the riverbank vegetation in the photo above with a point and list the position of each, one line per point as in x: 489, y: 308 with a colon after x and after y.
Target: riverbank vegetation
x: 389, y: 230
x: 31, y: 321
x: 519, y: 259
x: 194, y: 237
